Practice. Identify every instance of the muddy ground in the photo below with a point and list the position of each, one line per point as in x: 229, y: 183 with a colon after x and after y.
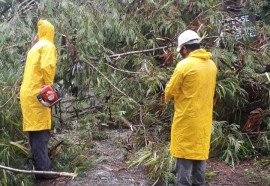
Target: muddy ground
x: 247, y: 173
x: 113, y: 169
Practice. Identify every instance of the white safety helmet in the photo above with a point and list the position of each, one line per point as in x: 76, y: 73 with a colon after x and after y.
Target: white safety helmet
x: 187, y: 37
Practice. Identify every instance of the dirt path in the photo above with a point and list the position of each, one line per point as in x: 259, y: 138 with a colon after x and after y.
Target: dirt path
x: 111, y: 169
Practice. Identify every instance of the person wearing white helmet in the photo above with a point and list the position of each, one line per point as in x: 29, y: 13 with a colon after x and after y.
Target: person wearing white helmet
x: 188, y: 37
x: 191, y: 87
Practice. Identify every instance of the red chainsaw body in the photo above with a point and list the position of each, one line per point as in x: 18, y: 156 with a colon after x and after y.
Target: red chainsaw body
x: 48, y: 96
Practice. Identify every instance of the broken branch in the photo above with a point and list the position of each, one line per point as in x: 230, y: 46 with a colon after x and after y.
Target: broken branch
x: 66, y: 174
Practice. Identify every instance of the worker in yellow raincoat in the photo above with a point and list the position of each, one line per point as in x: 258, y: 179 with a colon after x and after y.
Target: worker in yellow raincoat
x: 39, y: 71
x: 191, y: 87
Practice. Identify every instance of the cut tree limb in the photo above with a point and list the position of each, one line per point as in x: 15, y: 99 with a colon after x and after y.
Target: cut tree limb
x: 66, y: 174
x: 138, y: 52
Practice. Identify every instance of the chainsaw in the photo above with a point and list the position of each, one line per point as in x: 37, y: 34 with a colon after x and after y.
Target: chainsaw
x: 49, y: 95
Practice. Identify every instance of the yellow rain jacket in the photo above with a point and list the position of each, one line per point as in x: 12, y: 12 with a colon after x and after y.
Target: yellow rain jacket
x: 192, y: 88
x: 39, y: 70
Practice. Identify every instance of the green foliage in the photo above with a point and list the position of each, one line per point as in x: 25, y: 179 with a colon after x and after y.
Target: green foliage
x: 13, y: 152
x: 210, y: 174
x: 159, y: 162
x: 228, y: 142
x: 265, y: 12
x: 230, y: 99
x: 74, y: 155
x: 8, y: 178
x: 261, y: 143
x: 13, y: 148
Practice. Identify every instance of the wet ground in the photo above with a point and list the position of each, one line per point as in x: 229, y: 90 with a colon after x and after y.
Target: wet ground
x: 247, y: 173
x: 111, y: 168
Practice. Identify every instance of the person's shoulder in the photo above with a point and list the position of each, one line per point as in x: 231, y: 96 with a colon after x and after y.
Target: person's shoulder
x: 185, y: 62
x: 45, y: 44
x: 184, y: 65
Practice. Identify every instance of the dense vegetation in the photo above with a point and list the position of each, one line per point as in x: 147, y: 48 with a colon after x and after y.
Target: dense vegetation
x: 114, y: 59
